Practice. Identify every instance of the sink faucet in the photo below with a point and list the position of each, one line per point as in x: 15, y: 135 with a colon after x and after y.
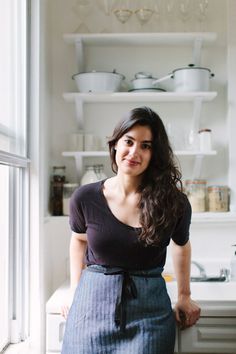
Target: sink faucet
x: 201, y: 269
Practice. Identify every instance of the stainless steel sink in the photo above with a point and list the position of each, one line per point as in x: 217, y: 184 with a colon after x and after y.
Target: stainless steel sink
x: 222, y: 277
x: 209, y: 279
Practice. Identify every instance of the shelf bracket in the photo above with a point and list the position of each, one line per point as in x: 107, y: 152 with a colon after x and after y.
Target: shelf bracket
x: 79, y: 109
x: 79, y: 165
x: 197, y: 47
x: 197, y: 166
x: 197, y: 107
x: 79, y: 50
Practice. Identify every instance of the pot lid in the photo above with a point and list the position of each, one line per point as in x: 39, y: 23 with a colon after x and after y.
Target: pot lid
x: 143, y: 75
x: 191, y: 67
x: 151, y: 89
x: 99, y: 72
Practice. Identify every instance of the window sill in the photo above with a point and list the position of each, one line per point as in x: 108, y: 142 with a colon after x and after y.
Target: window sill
x: 19, y: 348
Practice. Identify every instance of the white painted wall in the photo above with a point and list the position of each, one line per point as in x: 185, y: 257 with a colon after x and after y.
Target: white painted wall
x: 157, y: 60
x: 58, y: 63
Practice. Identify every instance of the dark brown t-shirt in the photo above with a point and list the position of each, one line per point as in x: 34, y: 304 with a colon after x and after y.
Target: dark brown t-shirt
x: 113, y: 243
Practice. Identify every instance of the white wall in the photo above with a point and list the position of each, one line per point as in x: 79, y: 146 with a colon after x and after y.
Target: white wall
x: 59, y: 63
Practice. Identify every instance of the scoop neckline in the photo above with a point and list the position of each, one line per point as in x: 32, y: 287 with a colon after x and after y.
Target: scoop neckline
x: 108, y: 208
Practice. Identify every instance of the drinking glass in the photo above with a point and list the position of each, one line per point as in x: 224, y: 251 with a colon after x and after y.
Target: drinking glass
x: 169, y: 11
x: 82, y: 9
x: 144, y: 11
x: 184, y: 10
x: 122, y: 11
x: 202, y: 9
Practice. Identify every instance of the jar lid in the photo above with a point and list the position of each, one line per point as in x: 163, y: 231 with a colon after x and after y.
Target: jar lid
x: 195, y: 181
x: 204, y: 130
x: 217, y: 187
x: 70, y: 185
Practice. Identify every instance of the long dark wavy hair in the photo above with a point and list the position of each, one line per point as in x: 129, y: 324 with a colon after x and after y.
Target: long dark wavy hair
x: 161, y: 193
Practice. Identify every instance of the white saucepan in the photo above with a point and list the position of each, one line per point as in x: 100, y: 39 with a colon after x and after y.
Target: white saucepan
x: 190, y: 78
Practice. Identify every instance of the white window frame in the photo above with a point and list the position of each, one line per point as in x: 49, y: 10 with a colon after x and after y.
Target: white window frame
x: 19, y: 180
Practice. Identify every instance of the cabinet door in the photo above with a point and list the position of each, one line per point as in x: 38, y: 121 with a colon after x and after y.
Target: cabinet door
x: 55, y: 332
x: 210, y: 335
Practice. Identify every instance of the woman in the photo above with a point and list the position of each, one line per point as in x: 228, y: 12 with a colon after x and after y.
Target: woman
x: 123, y: 226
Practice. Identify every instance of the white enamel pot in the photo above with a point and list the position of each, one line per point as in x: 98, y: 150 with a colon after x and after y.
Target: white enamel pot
x: 143, y: 80
x: 189, y: 79
x: 98, y: 81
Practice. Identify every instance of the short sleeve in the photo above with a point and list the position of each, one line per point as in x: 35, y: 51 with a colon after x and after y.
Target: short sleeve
x: 76, y: 217
x: 181, y: 233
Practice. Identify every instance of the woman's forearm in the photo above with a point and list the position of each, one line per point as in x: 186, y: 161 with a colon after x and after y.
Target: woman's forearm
x: 77, y: 251
x: 182, y: 262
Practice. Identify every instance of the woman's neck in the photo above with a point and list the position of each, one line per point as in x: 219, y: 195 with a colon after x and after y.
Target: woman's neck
x: 126, y: 185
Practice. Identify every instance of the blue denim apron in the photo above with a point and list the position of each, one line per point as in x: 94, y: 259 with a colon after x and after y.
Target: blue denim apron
x: 117, y: 311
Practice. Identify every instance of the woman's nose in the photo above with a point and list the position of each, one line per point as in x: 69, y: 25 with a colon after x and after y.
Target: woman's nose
x: 133, y: 149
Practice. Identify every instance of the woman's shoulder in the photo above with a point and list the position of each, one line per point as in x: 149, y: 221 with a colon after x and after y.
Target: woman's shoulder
x: 186, y: 207
x: 84, y: 192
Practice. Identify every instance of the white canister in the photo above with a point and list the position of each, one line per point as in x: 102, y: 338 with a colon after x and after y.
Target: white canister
x: 77, y: 141
x: 91, y: 142
x: 89, y: 176
x: 205, y: 140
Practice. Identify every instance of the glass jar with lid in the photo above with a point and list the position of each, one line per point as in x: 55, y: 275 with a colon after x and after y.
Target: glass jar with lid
x: 59, y: 173
x: 68, y: 189
x: 218, y: 198
x: 196, y: 193
x: 56, y: 192
x: 89, y: 176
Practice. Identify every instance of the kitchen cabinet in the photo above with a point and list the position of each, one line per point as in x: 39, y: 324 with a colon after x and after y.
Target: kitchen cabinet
x: 215, y: 332
x: 196, y: 40
x: 210, y: 335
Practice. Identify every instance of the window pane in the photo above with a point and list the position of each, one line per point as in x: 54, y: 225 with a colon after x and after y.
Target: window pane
x: 13, y: 76
x: 4, y: 255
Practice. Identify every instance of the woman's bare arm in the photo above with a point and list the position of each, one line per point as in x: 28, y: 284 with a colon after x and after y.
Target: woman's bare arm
x: 187, y: 311
x: 78, y: 244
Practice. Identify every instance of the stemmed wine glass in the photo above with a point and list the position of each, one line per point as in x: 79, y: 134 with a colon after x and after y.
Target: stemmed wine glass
x: 202, y: 8
x: 105, y: 6
x: 169, y: 9
x: 82, y: 8
x: 122, y: 11
x: 145, y: 11
x: 184, y: 10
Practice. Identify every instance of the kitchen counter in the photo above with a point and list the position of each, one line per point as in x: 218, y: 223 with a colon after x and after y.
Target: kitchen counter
x: 215, y: 297
x: 214, y: 332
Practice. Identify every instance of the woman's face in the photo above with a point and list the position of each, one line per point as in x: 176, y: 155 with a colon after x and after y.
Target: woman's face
x: 134, y: 151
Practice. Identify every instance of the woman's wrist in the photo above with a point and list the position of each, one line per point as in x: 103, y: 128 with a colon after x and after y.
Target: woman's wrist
x: 184, y: 295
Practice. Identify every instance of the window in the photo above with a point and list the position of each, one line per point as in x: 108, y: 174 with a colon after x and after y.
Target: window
x: 14, y: 165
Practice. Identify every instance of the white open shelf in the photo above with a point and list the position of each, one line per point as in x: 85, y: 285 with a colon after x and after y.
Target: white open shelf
x: 106, y: 153
x: 216, y: 218
x: 138, y: 96
x: 161, y: 38
x: 199, y: 218
x: 197, y: 155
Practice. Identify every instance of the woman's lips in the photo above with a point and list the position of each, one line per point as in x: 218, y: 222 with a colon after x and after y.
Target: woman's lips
x: 132, y: 162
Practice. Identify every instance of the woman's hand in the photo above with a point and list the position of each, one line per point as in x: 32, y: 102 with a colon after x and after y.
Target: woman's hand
x: 67, y: 304
x: 187, y: 312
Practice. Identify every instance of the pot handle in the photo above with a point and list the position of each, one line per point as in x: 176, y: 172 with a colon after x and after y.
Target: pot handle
x: 212, y: 75
x: 162, y: 79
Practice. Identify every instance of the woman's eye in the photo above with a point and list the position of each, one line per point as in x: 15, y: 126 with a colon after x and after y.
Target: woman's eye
x: 146, y: 146
x: 128, y: 142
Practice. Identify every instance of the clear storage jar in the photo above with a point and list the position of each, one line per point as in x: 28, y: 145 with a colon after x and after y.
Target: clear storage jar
x: 196, y: 193
x: 205, y: 140
x: 89, y: 176
x: 218, y: 198
x: 68, y: 189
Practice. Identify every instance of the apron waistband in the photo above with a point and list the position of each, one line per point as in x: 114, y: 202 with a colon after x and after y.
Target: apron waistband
x: 128, y: 288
